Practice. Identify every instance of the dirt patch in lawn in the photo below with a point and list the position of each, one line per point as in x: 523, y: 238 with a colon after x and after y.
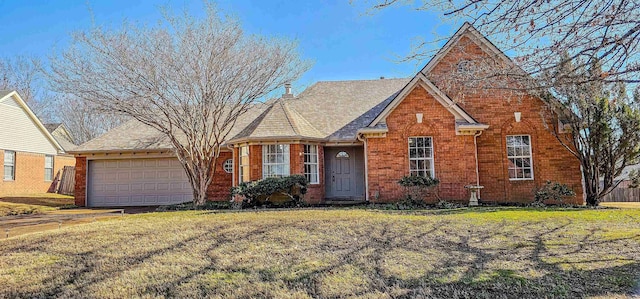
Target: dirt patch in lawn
x: 497, y: 253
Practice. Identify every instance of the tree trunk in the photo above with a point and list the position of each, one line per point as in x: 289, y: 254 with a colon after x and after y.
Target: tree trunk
x: 592, y: 200
x: 199, y: 194
x: 198, y: 179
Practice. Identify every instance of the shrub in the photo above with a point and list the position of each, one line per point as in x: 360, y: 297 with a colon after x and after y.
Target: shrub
x: 286, y: 191
x: 551, y: 191
x: 447, y: 205
x: 188, y: 206
x: 416, y: 188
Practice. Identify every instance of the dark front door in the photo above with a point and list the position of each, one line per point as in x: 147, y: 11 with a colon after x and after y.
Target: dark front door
x: 343, y: 175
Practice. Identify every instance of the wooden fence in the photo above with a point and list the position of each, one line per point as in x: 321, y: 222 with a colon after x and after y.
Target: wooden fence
x: 67, y: 182
x: 622, y: 195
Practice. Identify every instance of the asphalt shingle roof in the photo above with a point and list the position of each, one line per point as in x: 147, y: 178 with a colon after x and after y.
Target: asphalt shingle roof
x: 330, y: 110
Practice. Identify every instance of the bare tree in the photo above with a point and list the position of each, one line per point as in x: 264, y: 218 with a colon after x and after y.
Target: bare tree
x: 189, y: 78
x: 23, y: 74
x: 604, y: 122
x: 85, y: 120
x: 538, y: 32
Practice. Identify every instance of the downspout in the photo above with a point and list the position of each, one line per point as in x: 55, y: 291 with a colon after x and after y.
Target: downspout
x: 366, y: 167
x: 475, y: 144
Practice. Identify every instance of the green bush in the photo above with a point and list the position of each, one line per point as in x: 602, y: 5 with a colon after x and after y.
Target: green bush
x: 418, y: 181
x: 287, y: 191
x: 551, y: 191
x: 189, y: 206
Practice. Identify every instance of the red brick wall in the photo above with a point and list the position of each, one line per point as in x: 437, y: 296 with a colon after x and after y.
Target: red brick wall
x: 315, y: 192
x: 80, y: 191
x: 255, y: 162
x: 388, y: 157
x: 29, y: 173
x: 219, y: 189
x: 551, y: 161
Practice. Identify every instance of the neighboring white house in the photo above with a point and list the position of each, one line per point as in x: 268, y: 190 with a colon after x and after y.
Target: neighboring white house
x: 30, y: 156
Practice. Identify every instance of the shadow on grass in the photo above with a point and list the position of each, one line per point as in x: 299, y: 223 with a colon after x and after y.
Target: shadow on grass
x: 339, y: 257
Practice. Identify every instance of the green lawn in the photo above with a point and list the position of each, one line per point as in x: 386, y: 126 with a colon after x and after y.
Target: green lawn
x: 478, y: 253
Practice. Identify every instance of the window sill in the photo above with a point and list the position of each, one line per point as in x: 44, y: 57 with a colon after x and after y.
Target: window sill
x: 521, y: 180
x: 9, y: 180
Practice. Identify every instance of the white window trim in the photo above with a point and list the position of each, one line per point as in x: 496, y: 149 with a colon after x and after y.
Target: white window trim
x: 315, y: 165
x: 242, y: 166
x: 52, y: 167
x: 224, y: 165
x: 286, y: 159
x: 431, y: 160
x: 530, y: 156
x: 13, y: 168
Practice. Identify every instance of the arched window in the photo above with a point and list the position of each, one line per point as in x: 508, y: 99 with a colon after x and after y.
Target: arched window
x: 342, y: 154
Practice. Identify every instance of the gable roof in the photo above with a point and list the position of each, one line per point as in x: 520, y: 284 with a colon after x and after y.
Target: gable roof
x: 469, y: 31
x: 61, y: 134
x: 421, y: 80
x: 5, y: 95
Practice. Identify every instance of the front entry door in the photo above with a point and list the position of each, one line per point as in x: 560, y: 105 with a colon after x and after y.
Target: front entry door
x: 342, y: 175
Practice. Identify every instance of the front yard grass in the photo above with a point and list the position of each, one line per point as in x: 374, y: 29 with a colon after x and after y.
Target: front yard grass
x: 464, y: 253
x: 32, y: 203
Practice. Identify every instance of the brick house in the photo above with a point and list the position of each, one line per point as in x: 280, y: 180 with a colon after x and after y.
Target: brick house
x: 354, y: 140
x: 31, y: 157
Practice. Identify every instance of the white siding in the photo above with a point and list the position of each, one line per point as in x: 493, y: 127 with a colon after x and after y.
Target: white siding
x: 18, y: 132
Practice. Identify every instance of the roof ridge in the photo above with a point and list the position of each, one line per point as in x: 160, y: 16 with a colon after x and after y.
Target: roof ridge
x: 288, y: 116
x: 363, y: 80
x: 299, y: 116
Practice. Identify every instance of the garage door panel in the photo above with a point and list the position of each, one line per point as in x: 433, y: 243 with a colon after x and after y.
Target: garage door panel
x: 164, y: 174
x: 136, y: 175
x: 137, y: 182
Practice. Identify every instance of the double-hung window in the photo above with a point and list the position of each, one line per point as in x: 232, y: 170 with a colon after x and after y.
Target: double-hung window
x: 421, y: 156
x: 275, y: 160
x: 519, y: 157
x: 244, y: 169
x: 48, y: 168
x: 9, y: 165
x: 311, y: 163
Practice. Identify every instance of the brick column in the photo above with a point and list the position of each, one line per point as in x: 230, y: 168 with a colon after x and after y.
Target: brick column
x: 296, y: 158
x: 80, y: 192
x: 255, y: 160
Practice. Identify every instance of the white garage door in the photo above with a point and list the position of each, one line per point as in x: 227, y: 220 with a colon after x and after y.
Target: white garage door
x: 137, y: 182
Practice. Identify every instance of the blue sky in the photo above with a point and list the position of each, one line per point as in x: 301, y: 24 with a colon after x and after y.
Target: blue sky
x: 341, y: 38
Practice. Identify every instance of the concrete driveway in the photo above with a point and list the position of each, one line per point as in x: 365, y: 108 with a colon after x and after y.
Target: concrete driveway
x: 28, y: 223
